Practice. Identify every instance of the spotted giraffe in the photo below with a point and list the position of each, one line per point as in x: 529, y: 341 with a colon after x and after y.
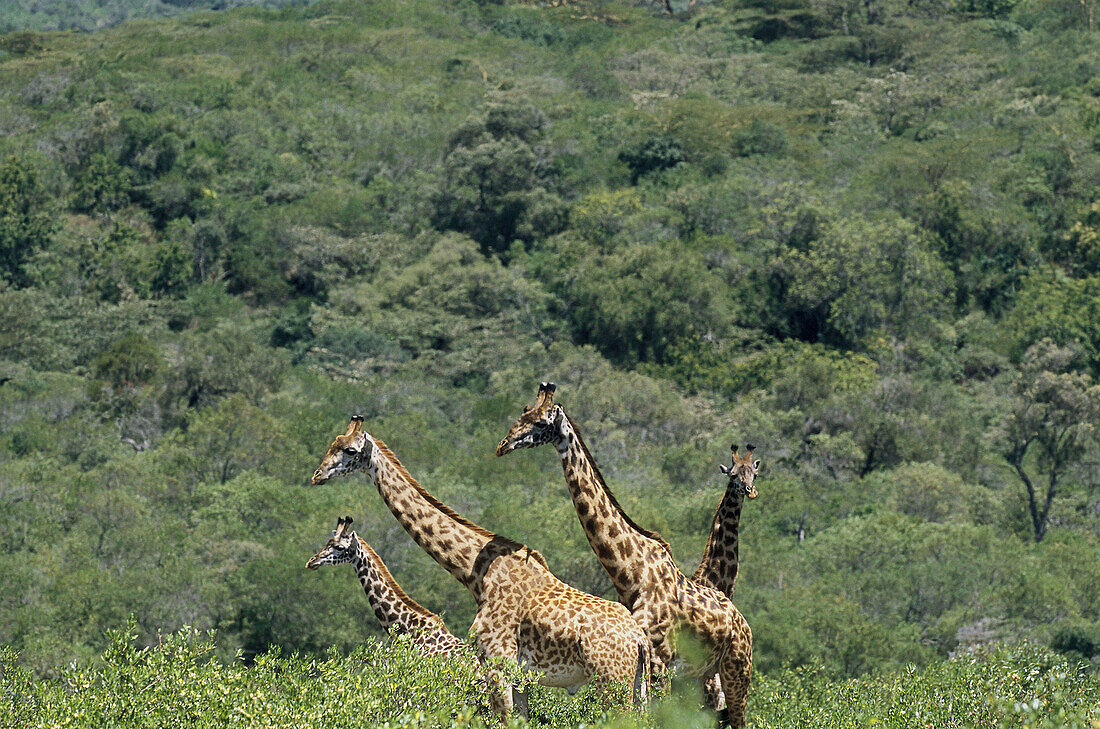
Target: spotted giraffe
x: 524, y: 613
x: 393, y: 608
x: 718, y: 567
x: 640, y: 562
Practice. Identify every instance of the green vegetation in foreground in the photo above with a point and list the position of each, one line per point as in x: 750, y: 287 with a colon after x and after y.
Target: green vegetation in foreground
x: 176, y: 683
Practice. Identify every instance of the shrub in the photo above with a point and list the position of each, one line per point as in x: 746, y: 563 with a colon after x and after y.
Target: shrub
x: 178, y: 683
x: 655, y: 154
x: 760, y: 137
x: 25, y: 225
x: 129, y: 361
x: 102, y: 185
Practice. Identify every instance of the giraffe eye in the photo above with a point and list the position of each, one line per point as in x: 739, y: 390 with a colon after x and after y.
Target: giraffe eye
x: 350, y: 451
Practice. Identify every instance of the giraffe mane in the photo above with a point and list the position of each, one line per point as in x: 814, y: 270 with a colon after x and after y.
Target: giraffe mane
x: 392, y: 583
x: 448, y: 511
x: 648, y: 533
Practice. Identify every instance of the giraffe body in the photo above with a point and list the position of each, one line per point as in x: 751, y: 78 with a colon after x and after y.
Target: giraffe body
x: 524, y: 613
x: 393, y: 608
x: 640, y: 564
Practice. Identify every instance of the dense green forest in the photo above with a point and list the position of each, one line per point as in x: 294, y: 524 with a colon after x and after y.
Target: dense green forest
x: 864, y: 237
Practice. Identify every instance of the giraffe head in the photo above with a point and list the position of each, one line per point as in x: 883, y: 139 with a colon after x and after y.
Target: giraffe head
x: 540, y: 423
x: 349, y: 452
x: 339, y: 549
x: 743, y: 472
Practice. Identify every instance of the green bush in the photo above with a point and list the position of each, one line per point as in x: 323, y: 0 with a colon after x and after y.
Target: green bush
x: 652, y: 155
x: 25, y: 225
x: 1003, y: 687
x: 179, y: 683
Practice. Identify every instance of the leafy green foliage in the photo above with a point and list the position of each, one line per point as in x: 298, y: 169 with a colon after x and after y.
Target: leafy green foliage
x: 890, y: 257
x: 495, y: 177
x: 392, y: 685
x: 1056, y: 412
x: 652, y: 155
x: 1001, y: 688
x: 24, y: 225
x: 102, y: 185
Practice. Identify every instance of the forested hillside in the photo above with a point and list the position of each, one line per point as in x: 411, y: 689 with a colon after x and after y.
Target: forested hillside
x: 864, y: 237
x: 18, y: 15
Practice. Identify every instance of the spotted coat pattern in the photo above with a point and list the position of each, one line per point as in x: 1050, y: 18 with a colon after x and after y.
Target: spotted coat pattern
x: 394, y: 609
x: 524, y: 613
x: 639, y: 562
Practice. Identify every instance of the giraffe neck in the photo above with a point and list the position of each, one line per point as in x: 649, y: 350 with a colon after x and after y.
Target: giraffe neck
x: 458, y: 545
x: 718, y: 568
x: 391, y: 605
x: 620, y: 545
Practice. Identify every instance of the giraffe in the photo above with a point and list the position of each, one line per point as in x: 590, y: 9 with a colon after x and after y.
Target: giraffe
x: 393, y: 608
x: 718, y: 567
x: 524, y: 612
x: 639, y: 561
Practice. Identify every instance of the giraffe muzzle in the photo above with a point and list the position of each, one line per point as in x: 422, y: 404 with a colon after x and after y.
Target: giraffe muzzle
x: 504, y: 447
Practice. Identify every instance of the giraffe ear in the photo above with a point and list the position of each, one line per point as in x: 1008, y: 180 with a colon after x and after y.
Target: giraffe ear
x: 724, y: 469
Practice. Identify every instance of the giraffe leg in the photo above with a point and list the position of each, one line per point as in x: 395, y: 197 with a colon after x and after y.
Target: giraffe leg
x: 713, y: 696
x: 497, y: 640
x: 612, y: 656
x: 640, y: 692
x: 519, y: 701
x: 500, y: 695
x: 661, y: 654
x: 735, y: 672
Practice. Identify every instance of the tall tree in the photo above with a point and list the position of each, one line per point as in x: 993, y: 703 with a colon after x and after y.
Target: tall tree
x: 1051, y: 421
x: 497, y: 175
